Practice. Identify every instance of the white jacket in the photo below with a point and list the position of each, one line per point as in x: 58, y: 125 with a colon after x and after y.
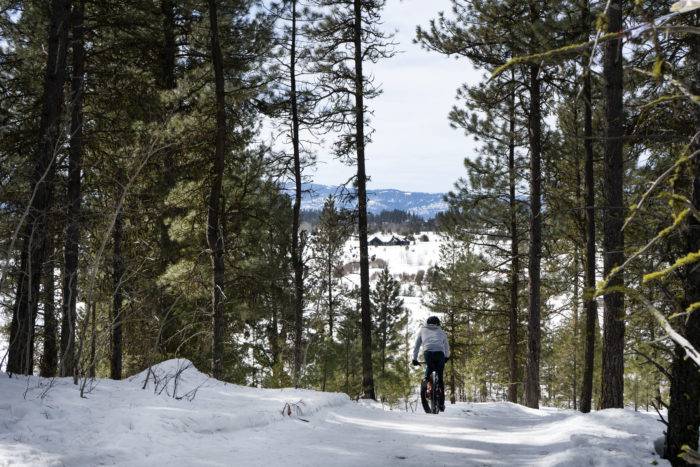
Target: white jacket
x: 433, y: 339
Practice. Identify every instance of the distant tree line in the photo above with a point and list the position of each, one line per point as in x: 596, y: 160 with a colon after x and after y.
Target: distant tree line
x: 394, y: 221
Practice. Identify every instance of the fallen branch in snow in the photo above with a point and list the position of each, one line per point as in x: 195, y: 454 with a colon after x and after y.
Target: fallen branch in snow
x: 148, y: 375
x: 45, y: 387
x: 658, y: 404
x: 162, y: 381
x: 293, y: 407
x: 26, y: 389
x: 190, y: 395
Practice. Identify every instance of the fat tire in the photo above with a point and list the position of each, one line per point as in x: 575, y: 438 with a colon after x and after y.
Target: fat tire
x: 423, y: 396
x: 434, y: 405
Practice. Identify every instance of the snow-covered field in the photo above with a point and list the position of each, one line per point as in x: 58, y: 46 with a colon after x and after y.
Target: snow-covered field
x: 213, y: 423
x: 403, y: 262
x: 401, y: 259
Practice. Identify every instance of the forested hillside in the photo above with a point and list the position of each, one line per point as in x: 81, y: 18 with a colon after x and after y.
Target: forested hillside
x: 155, y: 164
x: 423, y: 205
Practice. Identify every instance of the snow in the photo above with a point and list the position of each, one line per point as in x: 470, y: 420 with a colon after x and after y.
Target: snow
x: 212, y: 423
x: 4, y: 343
x: 401, y: 259
x: 684, y: 6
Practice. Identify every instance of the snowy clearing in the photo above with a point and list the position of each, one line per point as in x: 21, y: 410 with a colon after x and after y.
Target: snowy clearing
x: 121, y: 424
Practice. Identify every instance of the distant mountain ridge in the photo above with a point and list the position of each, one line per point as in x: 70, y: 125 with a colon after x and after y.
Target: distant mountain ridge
x: 425, y: 205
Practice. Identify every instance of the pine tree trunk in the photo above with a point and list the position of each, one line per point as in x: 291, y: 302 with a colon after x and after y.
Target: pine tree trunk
x: 93, y: 343
x: 347, y: 365
x: 574, y: 382
x: 168, y: 52
x: 514, y: 374
x: 367, y: 374
x: 613, y: 217
x: 326, y: 358
x: 33, y: 253
x: 384, y: 340
x: 215, y: 240
x: 72, y: 235
x: 331, y: 311
x: 117, y: 298
x: 329, y: 338
x: 274, y: 341
x: 453, y: 382
x: 297, y: 260
x: 532, y: 382
x: 589, y: 183
x: 49, y: 356
x: 684, y: 409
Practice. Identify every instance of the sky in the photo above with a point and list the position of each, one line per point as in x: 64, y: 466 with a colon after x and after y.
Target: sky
x: 413, y: 147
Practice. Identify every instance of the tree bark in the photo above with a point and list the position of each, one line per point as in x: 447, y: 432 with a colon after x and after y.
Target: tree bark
x: 367, y: 373
x: 453, y: 376
x: 331, y: 318
x: 168, y: 50
x: 514, y: 374
x: 49, y: 356
x: 215, y: 239
x: 589, y: 186
x: 72, y: 235
x: 33, y: 253
x: 297, y: 260
x: 575, y: 349
x: 117, y: 298
x: 613, y: 217
x: 93, y: 343
x: 532, y: 382
x: 684, y: 409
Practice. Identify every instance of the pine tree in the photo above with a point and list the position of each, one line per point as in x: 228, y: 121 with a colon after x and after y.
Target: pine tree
x: 480, y: 201
x: 333, y: 231
x: 214, y: 234
x: 73, y: 195
x: 348, y: 36
x: 489, y: 34
x: 590, y: 229
x: 613, y: 215
x: 684, y: 407
x: 389, y: 322
x: 41, y: 189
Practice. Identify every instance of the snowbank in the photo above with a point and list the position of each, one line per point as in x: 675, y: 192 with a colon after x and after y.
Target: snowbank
x: 44, y: 422
x: 183, y: 417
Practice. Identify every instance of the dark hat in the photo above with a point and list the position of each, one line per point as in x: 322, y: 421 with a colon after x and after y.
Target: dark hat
x: 434, y: 320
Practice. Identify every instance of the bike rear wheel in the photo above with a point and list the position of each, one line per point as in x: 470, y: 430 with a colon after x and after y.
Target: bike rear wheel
x: 434, y: 396
x: 425, y: 395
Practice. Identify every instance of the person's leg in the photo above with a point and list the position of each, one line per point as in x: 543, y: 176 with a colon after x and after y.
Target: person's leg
x: 429, y: 366
x: 440, y: 368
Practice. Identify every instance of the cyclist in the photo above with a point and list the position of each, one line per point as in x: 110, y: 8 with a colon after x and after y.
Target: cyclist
x: 436, y: 350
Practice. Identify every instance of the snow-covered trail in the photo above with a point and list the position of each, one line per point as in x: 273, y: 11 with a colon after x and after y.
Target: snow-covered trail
x: 466, y: 434
x: 228, y: 425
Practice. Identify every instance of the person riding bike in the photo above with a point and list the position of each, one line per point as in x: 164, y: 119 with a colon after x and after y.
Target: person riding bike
x: 436, y: 351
